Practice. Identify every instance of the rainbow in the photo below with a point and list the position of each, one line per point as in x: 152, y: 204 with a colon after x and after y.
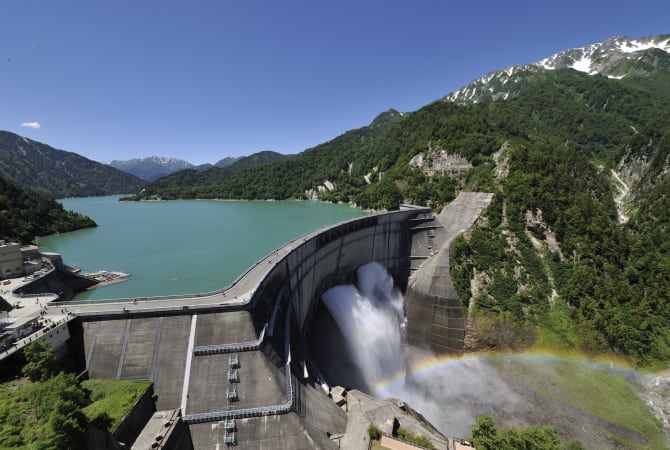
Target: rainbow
x: 430, y: 365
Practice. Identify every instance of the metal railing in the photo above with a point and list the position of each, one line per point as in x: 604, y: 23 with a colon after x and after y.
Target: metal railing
x: 260, y: 411
x: 232, y: 394
x: 230, y: 348
x: 229, y: 438
x: 43, y: 294
x: 307, y: 237
x: 229, y: 425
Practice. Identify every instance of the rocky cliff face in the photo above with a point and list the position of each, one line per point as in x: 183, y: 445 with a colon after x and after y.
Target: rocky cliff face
x: 436, y: 160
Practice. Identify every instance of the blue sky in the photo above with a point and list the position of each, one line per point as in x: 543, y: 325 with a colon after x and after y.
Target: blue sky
x: 206, y: 79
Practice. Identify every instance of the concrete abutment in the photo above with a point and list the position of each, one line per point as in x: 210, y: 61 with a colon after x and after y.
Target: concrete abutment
x: 282, y: 306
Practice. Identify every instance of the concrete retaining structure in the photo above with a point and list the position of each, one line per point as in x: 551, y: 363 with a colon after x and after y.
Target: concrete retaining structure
x: 435, y: 319
x: 132, y: 424
x: 268, y: 333
x: 165, y: 431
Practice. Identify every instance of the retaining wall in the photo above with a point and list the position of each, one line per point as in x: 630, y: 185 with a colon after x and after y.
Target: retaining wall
x: 283, y: 304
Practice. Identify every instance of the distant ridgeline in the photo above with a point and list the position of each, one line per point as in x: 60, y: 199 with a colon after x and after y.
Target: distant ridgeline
x: 57, y: 173
x: 574, y: 250
x: 371, y: 166
x: 197, y: 177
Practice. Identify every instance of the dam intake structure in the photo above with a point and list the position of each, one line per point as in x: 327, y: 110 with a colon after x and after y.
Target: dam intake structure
x: 270, y: 320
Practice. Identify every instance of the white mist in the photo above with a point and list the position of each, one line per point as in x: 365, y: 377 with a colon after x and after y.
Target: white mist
x: 370, y: 316
x: 371, y: 319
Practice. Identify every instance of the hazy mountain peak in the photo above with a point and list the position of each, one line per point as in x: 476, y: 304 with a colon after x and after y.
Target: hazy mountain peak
x: 151, y: 167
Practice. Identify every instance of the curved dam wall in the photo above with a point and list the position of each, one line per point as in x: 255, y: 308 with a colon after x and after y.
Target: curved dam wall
x: 276, y: 306
x: 414, y: 247
x: 290, y: 295
x: 435, y: 319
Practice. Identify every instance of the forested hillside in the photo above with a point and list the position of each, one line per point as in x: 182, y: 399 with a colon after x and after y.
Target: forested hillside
x: 25, y: 215
x: 215, y: 174
x: 57, y: 173
x: 593, y: 113
x: 289, y: 178
x: 552, y: 263
x: 549, y: 263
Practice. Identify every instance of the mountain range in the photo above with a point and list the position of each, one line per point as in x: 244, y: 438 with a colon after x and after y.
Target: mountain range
x: 150, y: 168
x: 617, y: 57
x: 574, y: 251
x: 58, y: 173
x: 154, y: 167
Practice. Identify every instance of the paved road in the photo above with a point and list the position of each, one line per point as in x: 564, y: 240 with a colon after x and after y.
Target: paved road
x: 238, y: 293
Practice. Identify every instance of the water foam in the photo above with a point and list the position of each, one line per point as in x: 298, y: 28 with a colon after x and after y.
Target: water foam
x: 370, y: 316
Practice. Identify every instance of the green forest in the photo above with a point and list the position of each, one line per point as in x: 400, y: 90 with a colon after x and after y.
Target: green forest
x: 43, y: 407
x: 486, y: 436
x: 58, y: 174
x: 604, y: 286
x: 25, y: 215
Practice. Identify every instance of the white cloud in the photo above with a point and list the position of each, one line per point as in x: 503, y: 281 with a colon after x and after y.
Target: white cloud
x: 34, y: 125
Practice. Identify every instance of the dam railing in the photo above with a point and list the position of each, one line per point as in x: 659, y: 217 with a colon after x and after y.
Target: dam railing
x: 232, y: 347
x: 323, y: 233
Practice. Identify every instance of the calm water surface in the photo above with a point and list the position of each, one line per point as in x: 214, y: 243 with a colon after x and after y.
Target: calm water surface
x: 182, y: 247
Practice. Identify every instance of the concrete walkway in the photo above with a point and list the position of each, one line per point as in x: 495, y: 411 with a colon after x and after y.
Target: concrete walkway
x: 238, y: 294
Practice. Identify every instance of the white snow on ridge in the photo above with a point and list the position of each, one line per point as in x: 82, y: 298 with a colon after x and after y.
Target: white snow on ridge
x: 636, y: 46
x: 583, y: 65
x: 591, y: 59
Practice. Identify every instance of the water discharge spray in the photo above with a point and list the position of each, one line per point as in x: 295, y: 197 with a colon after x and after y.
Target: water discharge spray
x: 370, y: 316
x: 451, y: 390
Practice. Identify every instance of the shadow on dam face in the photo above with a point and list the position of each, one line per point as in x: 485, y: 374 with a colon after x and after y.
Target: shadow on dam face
x: 330, y: 353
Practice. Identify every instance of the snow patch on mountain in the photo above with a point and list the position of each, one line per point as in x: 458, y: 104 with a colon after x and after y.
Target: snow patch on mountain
x: 152, y: 167
x: 601, y: 58
x: 591, y: 59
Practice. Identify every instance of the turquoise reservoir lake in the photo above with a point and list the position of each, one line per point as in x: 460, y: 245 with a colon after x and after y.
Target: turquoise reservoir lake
x: 182, y: 247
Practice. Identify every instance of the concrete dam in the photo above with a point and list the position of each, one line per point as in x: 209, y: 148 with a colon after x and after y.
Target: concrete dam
x: 242, y: 364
